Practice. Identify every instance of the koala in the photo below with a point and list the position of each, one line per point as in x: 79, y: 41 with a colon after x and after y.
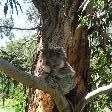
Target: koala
x: 52, y: 59
x: 54, y: 63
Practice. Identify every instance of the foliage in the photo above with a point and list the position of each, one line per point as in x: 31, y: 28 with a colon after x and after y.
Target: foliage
x: 97, y: 16
x: 33, y: 15
x: 19, y: 53
x: 6, y: 31
x: 12, y: 4
x: 101, y: 75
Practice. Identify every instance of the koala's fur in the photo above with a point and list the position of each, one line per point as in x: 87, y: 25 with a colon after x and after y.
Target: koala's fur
x: 54, y: 63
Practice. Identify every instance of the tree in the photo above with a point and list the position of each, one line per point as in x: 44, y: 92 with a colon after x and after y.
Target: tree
x: 62, y: 30
x: 63, y: 25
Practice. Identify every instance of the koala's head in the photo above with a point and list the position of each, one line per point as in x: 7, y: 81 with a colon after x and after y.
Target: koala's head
x: 53, y: 57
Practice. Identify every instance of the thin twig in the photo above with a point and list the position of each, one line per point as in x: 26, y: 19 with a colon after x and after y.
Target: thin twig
x: 16, y: 28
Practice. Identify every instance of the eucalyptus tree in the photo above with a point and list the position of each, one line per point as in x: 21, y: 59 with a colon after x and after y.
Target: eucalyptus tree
x: 77, y: 26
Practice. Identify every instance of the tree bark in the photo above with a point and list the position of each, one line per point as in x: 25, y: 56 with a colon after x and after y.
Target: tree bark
x: 60, y: 29
x: 78, y: 57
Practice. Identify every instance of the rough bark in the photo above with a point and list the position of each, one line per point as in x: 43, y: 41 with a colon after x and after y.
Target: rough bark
x: 60, y: 28
x: 78, y: 57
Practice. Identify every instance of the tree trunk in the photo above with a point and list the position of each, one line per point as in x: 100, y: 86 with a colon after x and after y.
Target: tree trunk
x: 78, y: 57
x: 60, y: 29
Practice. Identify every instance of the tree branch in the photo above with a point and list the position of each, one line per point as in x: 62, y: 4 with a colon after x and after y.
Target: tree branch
x: 8, y: 27
x: 90, y: 96
x: 43, y: 82
x: 20, y: 76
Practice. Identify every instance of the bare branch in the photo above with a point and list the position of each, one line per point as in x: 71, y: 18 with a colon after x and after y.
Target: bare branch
x: 90, y: 96
x: 98, y: 91
x: 18, y: 75
x: 12, y: 28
